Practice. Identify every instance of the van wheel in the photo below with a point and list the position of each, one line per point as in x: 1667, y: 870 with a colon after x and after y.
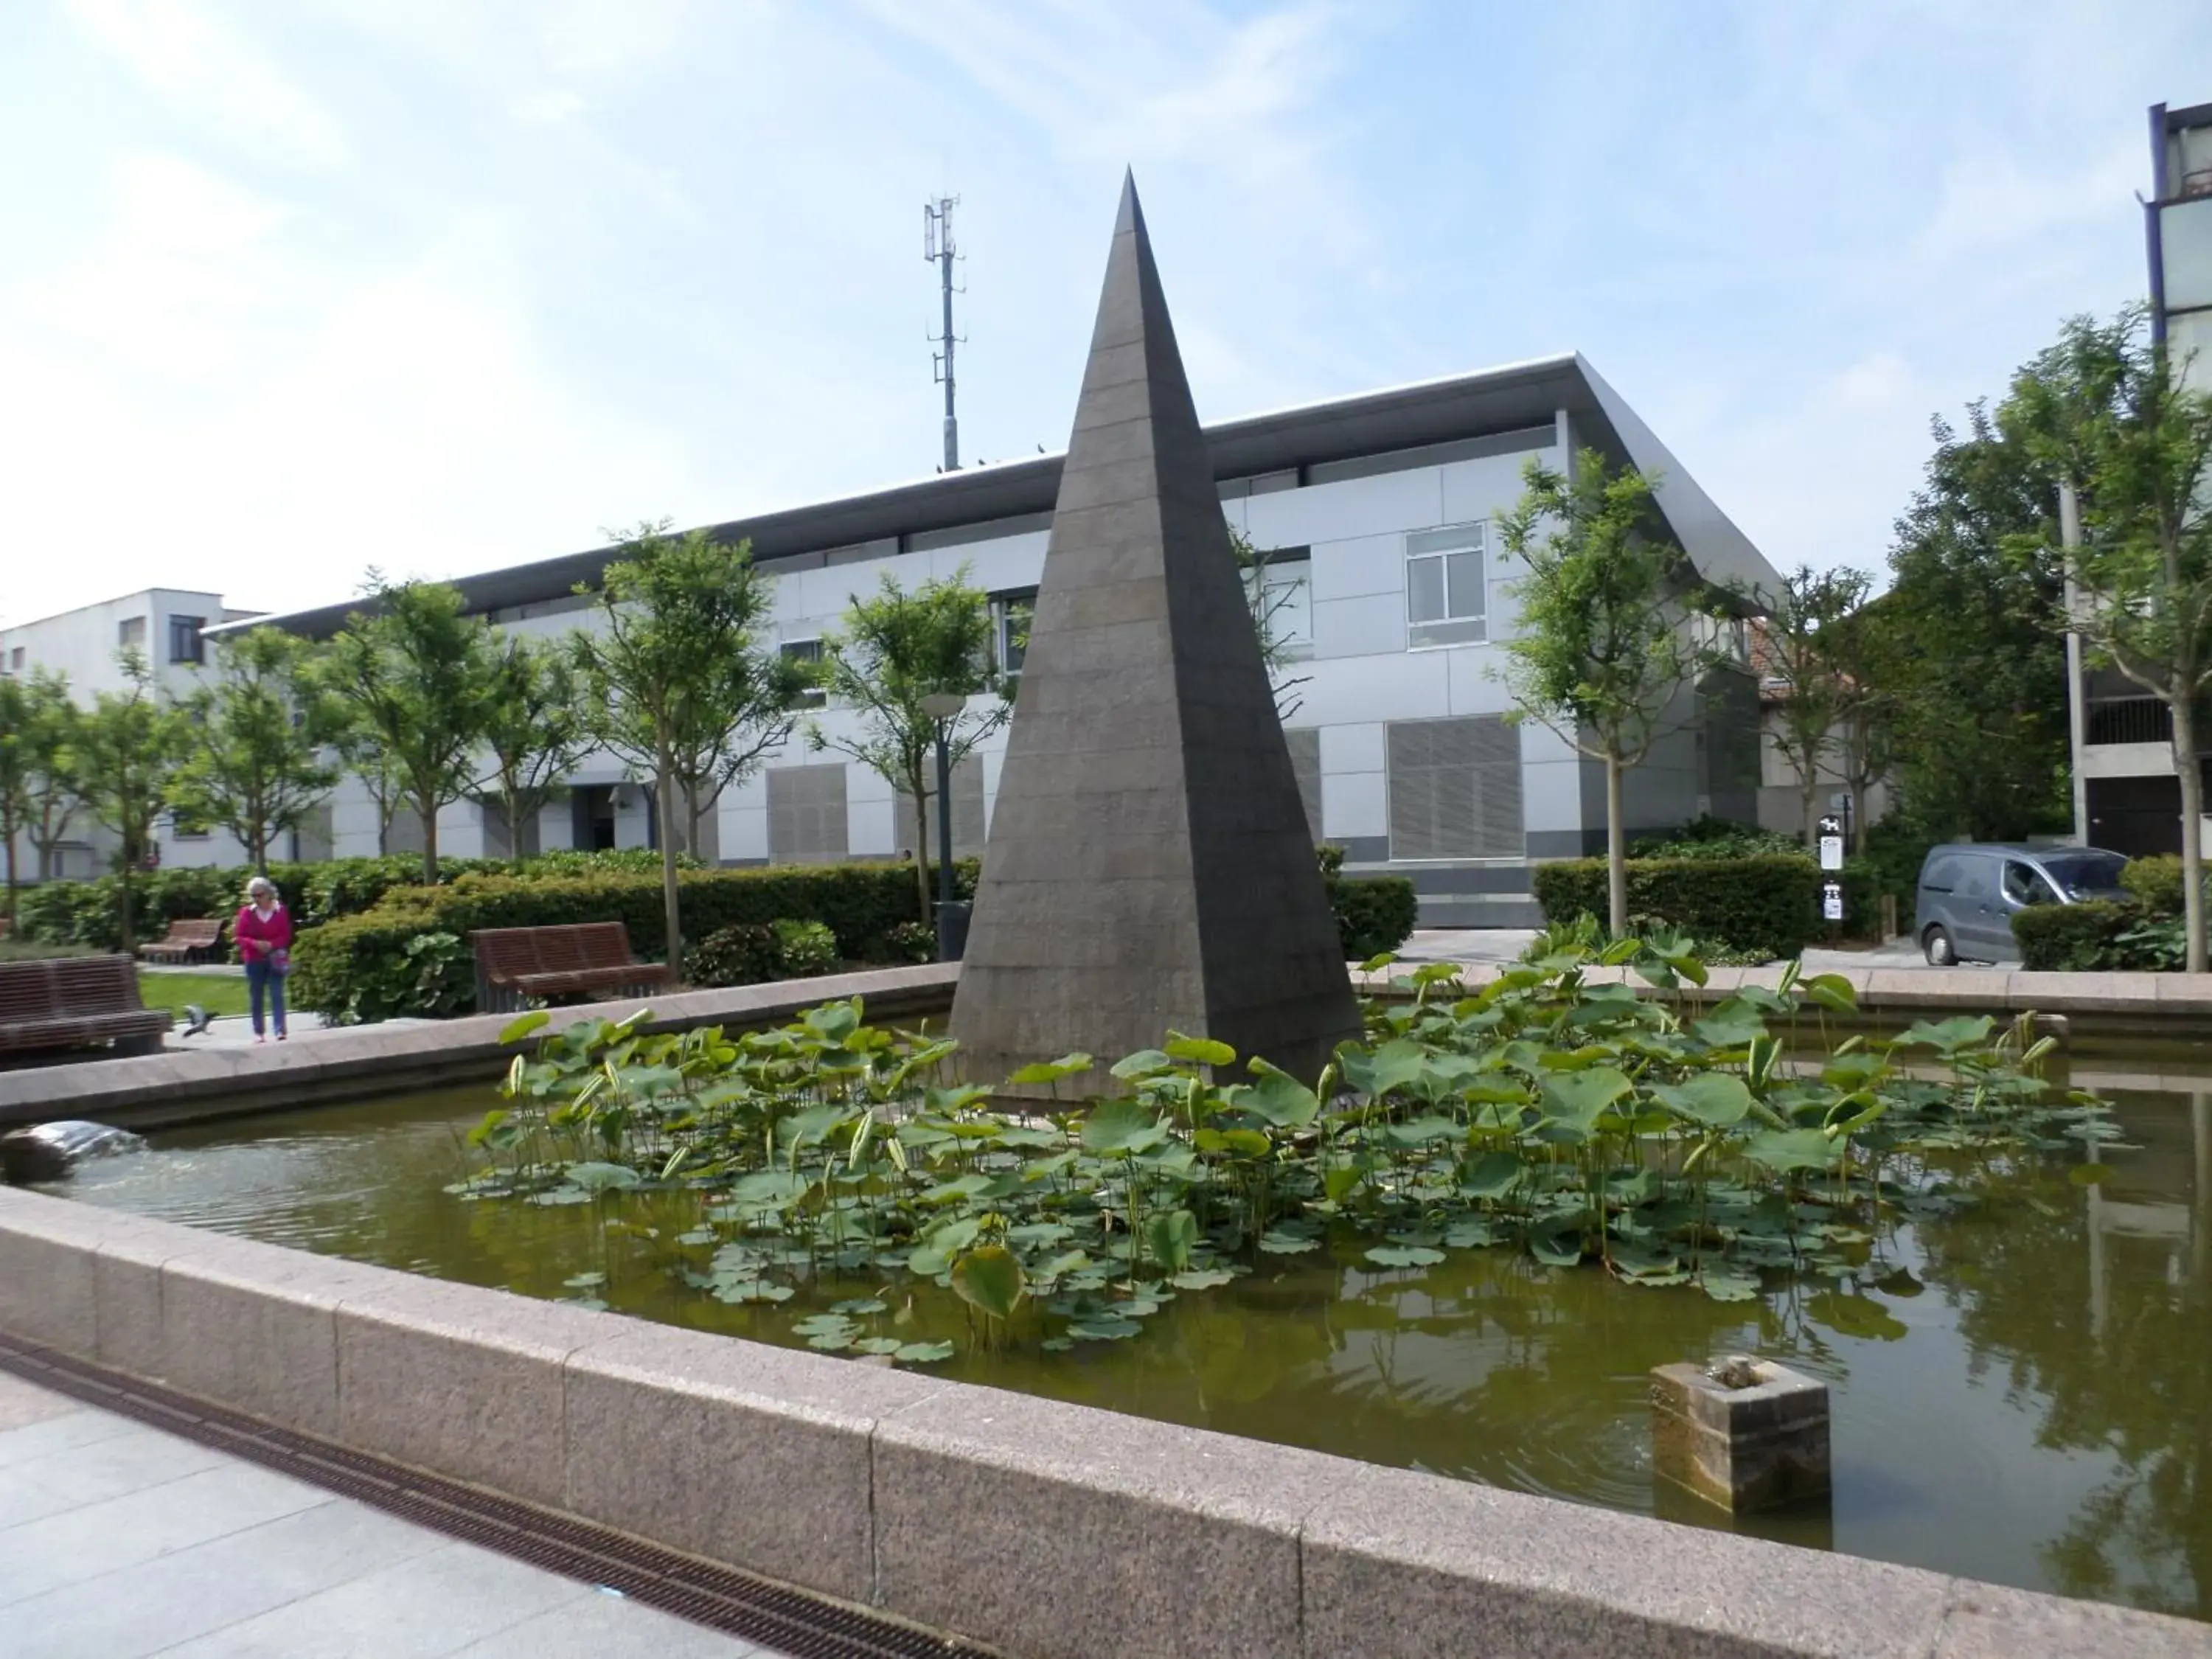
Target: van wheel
x: 1936, y: 944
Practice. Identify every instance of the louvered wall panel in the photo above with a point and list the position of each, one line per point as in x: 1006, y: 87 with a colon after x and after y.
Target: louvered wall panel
x: 806, y: 814
x: 967, y: 812
x: 1305, y: 761
x: 1455, y: 789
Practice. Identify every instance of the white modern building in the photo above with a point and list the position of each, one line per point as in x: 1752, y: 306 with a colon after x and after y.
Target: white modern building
x: 2123, y: 753
x: 1378, y: 512
x: 168, y: 627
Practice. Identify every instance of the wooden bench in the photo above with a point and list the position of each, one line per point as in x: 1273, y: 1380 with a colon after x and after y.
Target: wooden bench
x: 68, y: 1002
x: 187, y: 940
x: 515, y: 963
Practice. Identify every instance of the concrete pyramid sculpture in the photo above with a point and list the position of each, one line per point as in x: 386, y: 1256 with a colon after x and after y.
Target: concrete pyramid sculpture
x: 1149, y: 867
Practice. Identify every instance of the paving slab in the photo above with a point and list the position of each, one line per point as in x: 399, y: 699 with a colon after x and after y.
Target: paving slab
x: 127, y: 1542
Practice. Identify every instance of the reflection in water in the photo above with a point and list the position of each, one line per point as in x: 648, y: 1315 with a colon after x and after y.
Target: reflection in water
x: 2022, y: 1390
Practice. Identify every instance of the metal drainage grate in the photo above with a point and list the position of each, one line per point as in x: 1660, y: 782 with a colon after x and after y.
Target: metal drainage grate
x: 720, y: 1598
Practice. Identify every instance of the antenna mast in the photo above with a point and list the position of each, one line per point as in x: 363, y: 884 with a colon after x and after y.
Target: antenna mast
x: 936, y: 248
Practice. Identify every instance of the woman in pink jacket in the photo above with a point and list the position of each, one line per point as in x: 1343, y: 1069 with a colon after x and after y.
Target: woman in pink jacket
x: 264, y: 934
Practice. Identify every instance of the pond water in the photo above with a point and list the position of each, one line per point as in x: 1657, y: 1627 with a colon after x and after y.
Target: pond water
x: 2024, y: 1395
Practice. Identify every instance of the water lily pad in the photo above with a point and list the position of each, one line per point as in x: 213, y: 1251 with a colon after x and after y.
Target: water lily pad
x: 831, y: 1341
x: 1855, y: 1315
x: 924, y: 1353
x: 585, y: 1281
x: 1725, y: 1285
x: 697, y: 1236
x: 1277, y: 1242
x: 1404, y: 1255
x: 1103, y: 1328
x: 1471, y: 1235
x: 1057, y: 1344
x: 880, y: 1345
x: 750, y: 1290
x: 1203, y: 1279
x: 562, y: 1195
x: 865, y: 1305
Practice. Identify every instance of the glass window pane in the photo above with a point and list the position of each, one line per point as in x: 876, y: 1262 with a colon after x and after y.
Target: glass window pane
x: 1465, y: 584
x: 1424, y: 590
x: 1287, y: 602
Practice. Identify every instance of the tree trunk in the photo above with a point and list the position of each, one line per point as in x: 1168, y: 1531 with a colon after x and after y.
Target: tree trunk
x: 430, y: 841
x: 1808, y: 793
x: 125, y: 927
x: 922, y: 852
x: 665, y: 803
x: 511, y: 803
x: 2191, y: 777
x: 1616, y: 850
x: 8, y: 834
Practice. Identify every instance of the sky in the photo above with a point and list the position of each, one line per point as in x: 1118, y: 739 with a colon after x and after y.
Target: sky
x: 294, y: 287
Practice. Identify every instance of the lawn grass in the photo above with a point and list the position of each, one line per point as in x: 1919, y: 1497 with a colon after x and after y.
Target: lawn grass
x: 219, y: 993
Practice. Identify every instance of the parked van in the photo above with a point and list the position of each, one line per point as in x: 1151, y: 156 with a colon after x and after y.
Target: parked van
x: 1969, y: 894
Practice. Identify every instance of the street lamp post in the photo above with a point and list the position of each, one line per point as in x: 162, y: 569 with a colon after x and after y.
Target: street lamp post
x: 945, y: 707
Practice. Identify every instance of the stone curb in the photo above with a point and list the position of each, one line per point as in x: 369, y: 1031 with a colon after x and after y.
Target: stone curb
x: 2179, y: 1005
x: 181, y: 1087
x: 1051, y: 1531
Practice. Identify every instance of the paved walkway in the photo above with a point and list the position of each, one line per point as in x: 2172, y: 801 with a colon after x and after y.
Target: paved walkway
x: 1505, y: 944
x: 118, y: 1541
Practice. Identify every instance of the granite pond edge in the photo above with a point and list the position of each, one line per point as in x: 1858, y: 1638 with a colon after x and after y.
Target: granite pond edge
x: 1047, y: 1530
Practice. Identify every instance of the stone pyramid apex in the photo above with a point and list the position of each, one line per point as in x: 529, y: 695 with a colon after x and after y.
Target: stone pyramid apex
x: 1149, y: 865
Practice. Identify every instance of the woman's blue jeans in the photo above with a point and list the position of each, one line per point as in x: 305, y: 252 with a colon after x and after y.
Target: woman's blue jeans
x: 262, y: 980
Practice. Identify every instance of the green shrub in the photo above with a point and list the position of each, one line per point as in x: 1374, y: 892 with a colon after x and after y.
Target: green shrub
x: 805, y: 949
x: 1708, y: 837
x: 743, y: 953
x: 911, y: 941
x: 2099, y: 937
x: 2155, y: 883
x: 1373, y: 913
x: 1767, y: 903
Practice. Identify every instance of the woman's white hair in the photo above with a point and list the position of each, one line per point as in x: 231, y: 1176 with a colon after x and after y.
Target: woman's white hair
x: 260, y: 884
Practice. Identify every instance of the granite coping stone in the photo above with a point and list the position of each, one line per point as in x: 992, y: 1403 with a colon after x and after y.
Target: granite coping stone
x: 1104, y: 1535
x: 1048, y: 1528
x: 732, y: 1450
x: 90, y: 1088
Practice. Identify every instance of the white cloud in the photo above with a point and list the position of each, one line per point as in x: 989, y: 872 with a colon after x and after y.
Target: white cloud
x: 187, y: 55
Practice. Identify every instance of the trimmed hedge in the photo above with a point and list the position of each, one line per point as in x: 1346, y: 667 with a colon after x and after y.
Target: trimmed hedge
x: 1373, y: 913
x: 371, y: 966
x: 88, y: 913
x: 1768, y: 903
x: 2100, y: 936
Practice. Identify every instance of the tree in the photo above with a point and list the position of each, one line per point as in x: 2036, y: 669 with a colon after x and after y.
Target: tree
x: 1802, y: 633
x: 2107, y: 409
x: 255, y: 766
x: 1603, y: 649
x: 675, y: 682
x: 127, y: 750
x: 1975, y: 681
x: 16, y: 762
x: 47, y: 738
x: 1861, y: 650
x: 896, y: 649
x: 1270, y: 602
x: 413, y: 674
x: 534, y: 729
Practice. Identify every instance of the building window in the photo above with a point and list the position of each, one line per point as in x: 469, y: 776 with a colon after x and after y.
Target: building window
x: 15, y: 660
x: 807, y: 653
x: 1011, y: 614
x: 1447, y: 586
x: 806, y: 814
x: 1455, y: 789
x: 130, y: 633
x: 1306, y: 764
x: 1283, y: 602
x: 185, y: 644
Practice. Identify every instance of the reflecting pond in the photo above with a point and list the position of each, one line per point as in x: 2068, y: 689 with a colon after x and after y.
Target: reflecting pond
x: 2022, y: 1390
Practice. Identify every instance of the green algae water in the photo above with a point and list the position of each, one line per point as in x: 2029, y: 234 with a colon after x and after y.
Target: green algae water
x: 2022, y: 1391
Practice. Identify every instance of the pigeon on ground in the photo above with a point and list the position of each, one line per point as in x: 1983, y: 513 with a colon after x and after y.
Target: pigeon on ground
x: 196, y: 1019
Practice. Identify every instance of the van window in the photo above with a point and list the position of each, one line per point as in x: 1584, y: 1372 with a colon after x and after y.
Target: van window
x: 1975, y: 878
x: 1942, y: 875
x: 2022, y: 885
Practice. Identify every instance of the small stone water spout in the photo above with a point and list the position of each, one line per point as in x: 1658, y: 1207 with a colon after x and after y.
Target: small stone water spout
x: 1743, y: 1433
x: 50, y: 1151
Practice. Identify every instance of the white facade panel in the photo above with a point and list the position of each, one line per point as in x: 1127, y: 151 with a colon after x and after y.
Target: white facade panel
x: 1358, y: 567
x: 1403, y: 687
x: 1354, y: 803
x: 1476, y: 684
x: 1411, y: 499
x: 1354, y: 746
x: 1489, y: 487
x: 1371, y: 626
x: 870, y: 826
